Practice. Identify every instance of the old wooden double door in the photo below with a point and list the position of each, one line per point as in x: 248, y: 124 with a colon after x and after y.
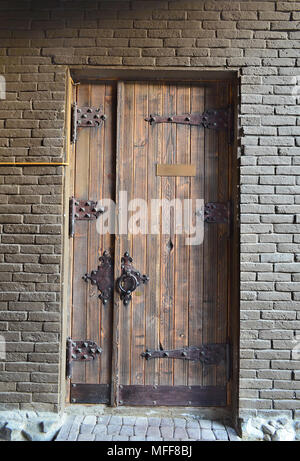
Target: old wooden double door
x: 165, y: 341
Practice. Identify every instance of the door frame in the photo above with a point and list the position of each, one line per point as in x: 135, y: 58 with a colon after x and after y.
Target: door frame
x: 95, y: 74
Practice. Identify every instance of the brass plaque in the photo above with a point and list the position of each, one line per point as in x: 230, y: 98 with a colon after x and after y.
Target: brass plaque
x: 175, y: 170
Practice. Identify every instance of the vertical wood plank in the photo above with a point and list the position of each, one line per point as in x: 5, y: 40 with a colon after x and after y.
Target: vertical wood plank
x: 116, y: 321
x: 108, y: 191
x: 167, y: 240
x: 79, y: 308
x: 223, y: 235
x: 182, y: 251
x: 153, y: 300
x: 196, y: 251
x: 96, y: 149
x: 124, y: 183
x: 139, y: 241
x: 210, y: 238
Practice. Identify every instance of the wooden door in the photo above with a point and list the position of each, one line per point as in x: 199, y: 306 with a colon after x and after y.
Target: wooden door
x: 168, y: 343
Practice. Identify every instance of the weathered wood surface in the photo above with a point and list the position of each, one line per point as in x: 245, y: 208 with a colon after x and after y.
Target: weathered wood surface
x: 186, y: 302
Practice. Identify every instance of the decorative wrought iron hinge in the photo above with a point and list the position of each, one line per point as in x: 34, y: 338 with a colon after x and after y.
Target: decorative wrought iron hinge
x: 85, y: 116
x: 82, y: 210
x: 85, y: 350
x: 208, y: 354
x: 217, y: 119
x: 103, y: 277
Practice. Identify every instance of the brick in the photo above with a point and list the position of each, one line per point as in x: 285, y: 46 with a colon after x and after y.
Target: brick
x: 253, y: 25
x: 139, y: 61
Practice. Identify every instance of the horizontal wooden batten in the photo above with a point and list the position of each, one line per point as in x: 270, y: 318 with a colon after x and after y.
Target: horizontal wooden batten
x: 198, y: 396
x: 175, y: 170
x: 90, y: 393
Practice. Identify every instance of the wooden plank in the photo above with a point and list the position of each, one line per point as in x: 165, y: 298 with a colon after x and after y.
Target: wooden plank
x: 196, y: 251
x: 139, y: 176
x: 123, y: 243
x: 223, y: 235
x: 208, y: 396
x: 175, y: 170
x: 80, y: 248
x: 68, y: 243
x: 108, y: 191
x: 210, y: 249
x: 153, y: 302
x: 181, y: 307
x: 166, y: 318
x: 116, y: 345
x: 96, y: 148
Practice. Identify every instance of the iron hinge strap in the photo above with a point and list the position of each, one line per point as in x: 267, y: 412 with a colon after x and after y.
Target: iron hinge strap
x: 82, y: 210
x: 80, y: 350
x: 85, y: 117
x: 211, y: 118
x: 207, y: 354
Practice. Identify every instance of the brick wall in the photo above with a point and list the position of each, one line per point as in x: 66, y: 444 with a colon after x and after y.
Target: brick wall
x: 39, y: 39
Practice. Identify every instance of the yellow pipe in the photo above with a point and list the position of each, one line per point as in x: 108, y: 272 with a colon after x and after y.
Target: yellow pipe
x: 34, y: 163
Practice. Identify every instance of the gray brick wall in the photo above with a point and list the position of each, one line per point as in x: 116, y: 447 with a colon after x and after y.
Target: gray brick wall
x: 38, y: 41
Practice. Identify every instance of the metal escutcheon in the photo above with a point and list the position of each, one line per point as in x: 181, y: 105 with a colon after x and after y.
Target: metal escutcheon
x: 129, y: 279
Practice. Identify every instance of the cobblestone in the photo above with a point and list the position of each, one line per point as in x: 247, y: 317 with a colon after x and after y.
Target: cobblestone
x: 140, y: 428
x: 113, y: 429
x: 207, y: 434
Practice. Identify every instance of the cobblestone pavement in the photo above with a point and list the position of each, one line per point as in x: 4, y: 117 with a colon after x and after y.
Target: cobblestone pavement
x: 139, y: 428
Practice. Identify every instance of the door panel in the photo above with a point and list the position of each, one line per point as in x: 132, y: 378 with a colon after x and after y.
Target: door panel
x: 94, y: 178
x: 186, y: 301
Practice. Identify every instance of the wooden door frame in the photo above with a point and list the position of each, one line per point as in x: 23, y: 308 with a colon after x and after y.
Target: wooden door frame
x: 96, y: 75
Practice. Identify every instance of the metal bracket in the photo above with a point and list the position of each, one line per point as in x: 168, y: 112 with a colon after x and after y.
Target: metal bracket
x: 103, y: 277
x: 85, y: 116
x: 207, y: 354
x: 82, y: 210
x: 84, y: 350
x: 217, y: 119
x: 215, y: 212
